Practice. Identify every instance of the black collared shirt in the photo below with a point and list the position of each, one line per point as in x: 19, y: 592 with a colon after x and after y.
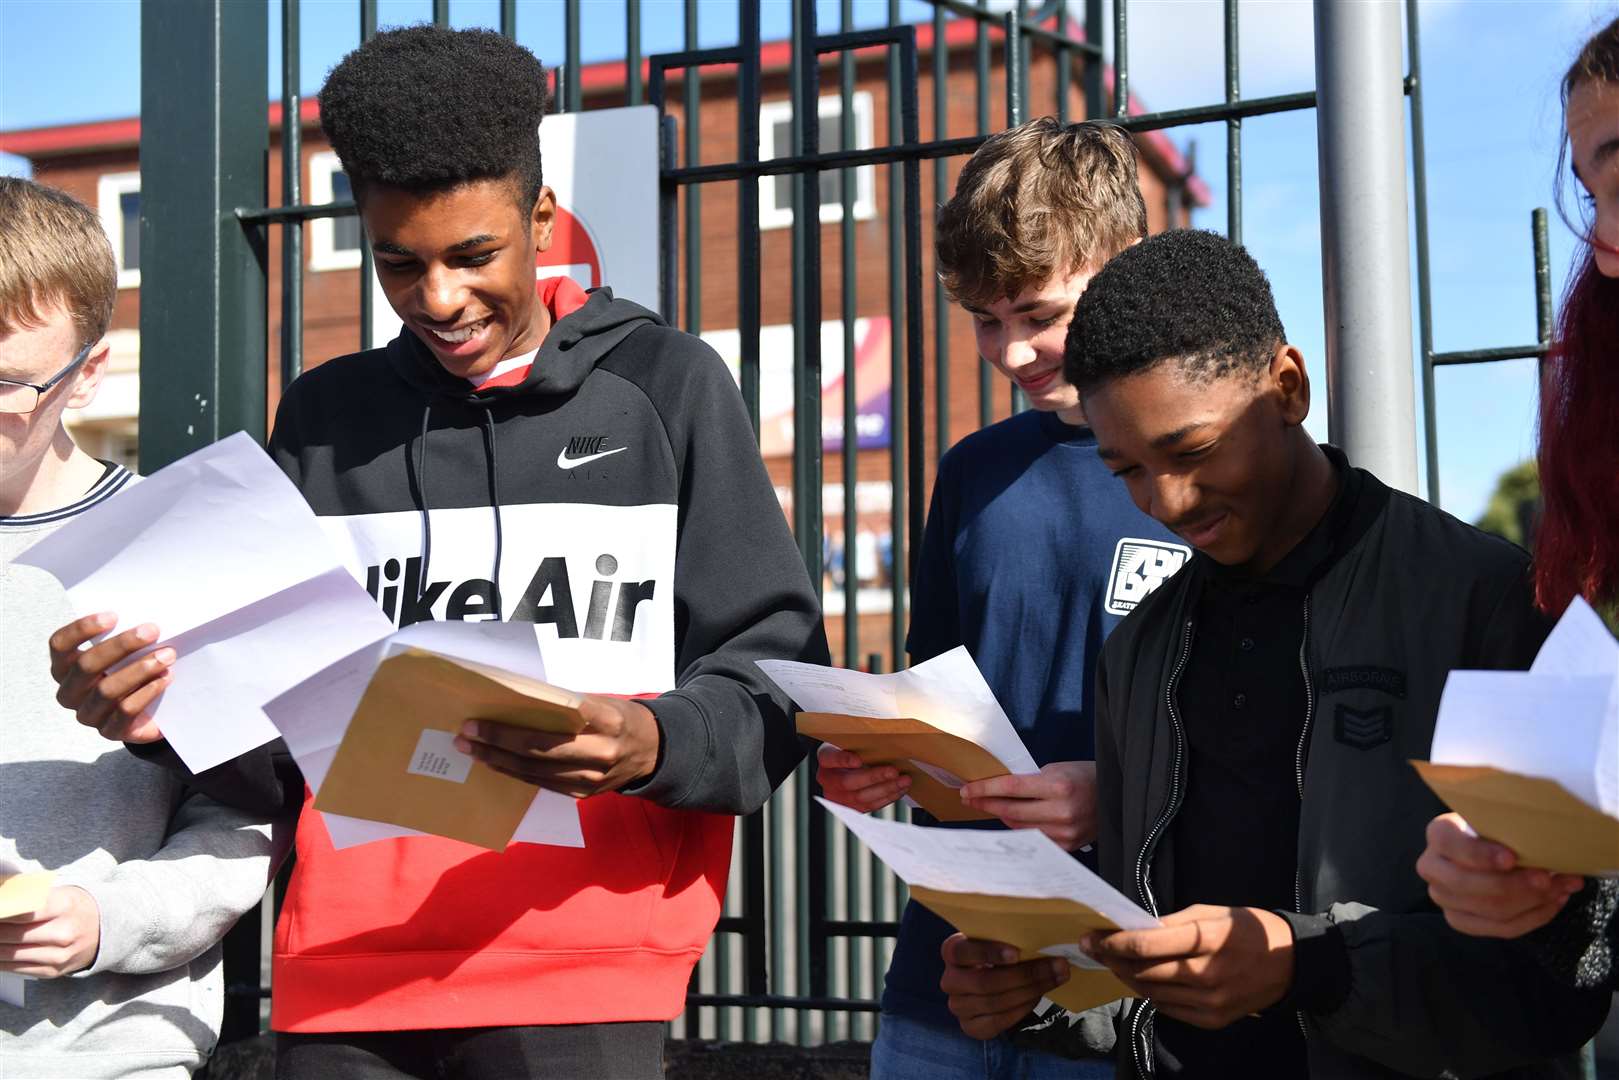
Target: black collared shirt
x: 1241, y: 702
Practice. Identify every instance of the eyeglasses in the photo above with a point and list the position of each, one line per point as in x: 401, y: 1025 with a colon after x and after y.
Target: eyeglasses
x: 24, y: 397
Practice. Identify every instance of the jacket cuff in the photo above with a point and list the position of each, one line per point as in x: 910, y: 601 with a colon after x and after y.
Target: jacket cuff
x: 683, y: 751
x: 1320, y: 965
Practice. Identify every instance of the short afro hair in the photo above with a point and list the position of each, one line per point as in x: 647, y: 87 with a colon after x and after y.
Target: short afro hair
x: 426, y: 108
x: 1186, y: 295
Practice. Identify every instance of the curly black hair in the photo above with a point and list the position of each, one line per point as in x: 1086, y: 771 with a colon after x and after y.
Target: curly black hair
x: 1186, y: 295
x: 425, y: 108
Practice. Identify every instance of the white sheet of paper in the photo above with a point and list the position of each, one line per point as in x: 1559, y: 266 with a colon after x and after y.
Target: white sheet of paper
x: 1559, y: 720
x: 314, y: 716
x: 947, y: 691
x: 992, y: 862
x: 225, y: 556
x: 13, y: 989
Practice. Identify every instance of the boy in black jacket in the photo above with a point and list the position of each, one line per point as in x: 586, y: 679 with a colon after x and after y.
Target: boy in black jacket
x: 544, y: 456
x: 1255, y: 717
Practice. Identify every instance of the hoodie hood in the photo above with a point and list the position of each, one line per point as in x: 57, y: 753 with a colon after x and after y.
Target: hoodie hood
x: 575, y: 345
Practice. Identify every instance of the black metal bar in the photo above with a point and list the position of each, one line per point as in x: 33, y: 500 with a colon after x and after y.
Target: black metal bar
x: 851, y: 396
x: 1486, y: 356
x: 508, y: 18
x: 632, y: 52
x: 910, y: 544
x: 808, y: 446
x: 368, y: 30
x: 1233, y: 126
x: 898, y: 326
x: 1543, y: 275
x: 573, y: 89
x: 278, y: 215
x: 1419, y: 192
x: 861, y: 928
x: 1015, y: 108
x: 755, y: 973
x: 292, y: 167
x: 205, y: 64
x: 691, y: 97
x: 668, y: 223
x: 1121, y: 57
x: 748, y: 242
x: 1065, y: 78
x: 441, y: 12
x: 784, y: 1002
x: 986, y: 379
x: 941, y: 193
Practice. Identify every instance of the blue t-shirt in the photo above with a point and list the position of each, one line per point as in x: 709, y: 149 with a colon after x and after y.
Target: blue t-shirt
x: 1033, y: 552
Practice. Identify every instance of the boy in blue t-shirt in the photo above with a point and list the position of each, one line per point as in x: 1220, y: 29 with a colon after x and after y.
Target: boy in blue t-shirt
x: 1032, y: 551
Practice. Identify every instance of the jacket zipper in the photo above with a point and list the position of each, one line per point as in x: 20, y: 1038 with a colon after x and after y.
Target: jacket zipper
x: 1298, y: 765
x: 1143, y: 1053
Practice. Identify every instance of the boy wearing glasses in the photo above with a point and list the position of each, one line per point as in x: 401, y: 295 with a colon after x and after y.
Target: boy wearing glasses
x: 147, y: 880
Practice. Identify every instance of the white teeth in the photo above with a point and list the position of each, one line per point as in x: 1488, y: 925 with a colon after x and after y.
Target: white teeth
x: 456, y: 337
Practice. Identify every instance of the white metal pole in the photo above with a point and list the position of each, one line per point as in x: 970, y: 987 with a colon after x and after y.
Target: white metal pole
x: 1365, y: 225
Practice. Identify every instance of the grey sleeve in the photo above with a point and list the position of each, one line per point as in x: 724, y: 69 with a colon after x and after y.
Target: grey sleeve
x: 164, y: 911
x: 1428, y: 1001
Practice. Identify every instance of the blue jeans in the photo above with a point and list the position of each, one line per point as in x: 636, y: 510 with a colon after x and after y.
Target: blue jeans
x: 910, y: 1050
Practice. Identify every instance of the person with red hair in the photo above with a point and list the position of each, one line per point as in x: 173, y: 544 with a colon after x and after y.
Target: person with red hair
x: 1479, y: 884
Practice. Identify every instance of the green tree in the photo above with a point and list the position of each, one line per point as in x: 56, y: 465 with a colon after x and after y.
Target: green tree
x: 1515, y: 506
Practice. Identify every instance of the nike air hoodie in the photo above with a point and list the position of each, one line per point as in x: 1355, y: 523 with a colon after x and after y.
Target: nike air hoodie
x: 615, y: 498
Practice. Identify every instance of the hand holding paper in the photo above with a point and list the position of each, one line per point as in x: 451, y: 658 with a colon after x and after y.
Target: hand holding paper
x: 1531, y: 759
x: 1016, y: 887
x: 938, y: 723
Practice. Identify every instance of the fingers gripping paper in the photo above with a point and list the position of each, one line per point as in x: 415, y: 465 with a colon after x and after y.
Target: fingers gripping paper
x: 937, y: 722
x: 1014, y: 886
x: 1531, y: 759
x: 397, y: 762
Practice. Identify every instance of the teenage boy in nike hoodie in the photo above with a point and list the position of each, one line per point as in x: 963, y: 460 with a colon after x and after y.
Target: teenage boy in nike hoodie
x: 564, y: 459
x: 1256, y: 716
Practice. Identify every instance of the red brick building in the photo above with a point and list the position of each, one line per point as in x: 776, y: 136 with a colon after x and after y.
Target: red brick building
x: 99, y: 163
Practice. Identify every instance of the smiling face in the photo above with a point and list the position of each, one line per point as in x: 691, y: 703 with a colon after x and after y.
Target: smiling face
x: 1216, y: 460
x: 1593, y: 137
x: 458, y: 268
x: 1023, y: 336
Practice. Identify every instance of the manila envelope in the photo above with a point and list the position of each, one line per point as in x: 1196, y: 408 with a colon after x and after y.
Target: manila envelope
x: 1535, y: 817
x: 396, y: 762
x: 902, y: 743
x: 1032, y: 924
x: 23, y: 894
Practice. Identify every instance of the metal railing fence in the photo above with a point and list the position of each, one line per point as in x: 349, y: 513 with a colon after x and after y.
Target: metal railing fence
x: 806, y: 935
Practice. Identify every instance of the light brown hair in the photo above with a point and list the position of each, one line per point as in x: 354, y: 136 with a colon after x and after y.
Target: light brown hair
x: 53, y: 251
x: 1035, y: 201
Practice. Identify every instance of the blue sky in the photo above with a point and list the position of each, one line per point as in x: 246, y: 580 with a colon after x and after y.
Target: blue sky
x: 1491, y: 71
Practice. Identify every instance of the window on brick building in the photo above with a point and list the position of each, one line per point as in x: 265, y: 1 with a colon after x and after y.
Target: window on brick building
x: 334, y: 243
x: 776, y: 140
x: 119, y: 199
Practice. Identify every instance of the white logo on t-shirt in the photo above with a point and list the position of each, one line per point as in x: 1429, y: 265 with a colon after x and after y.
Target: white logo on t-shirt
x: 1139, y: 567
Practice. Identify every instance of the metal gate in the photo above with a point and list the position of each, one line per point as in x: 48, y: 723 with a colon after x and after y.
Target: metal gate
x: 806, y: 935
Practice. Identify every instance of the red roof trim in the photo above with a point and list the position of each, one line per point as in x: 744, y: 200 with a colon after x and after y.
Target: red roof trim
x: 45, y: 142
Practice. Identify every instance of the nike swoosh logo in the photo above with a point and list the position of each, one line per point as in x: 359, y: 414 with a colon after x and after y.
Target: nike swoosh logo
x: 566, y: 462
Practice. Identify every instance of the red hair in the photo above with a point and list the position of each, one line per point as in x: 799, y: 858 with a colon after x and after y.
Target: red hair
x: 1577, y: 546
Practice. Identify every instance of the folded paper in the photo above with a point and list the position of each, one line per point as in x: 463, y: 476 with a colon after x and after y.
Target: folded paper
x: 1531, y: 758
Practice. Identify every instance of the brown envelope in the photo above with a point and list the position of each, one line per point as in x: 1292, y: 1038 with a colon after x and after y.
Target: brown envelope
x: 902, y: 743
x: 392, y: 765
x: 1031, y: 924
x: 23, y: 894
x: 1537, y: 818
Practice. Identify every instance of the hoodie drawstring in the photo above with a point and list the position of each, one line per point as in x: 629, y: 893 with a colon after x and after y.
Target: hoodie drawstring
x: 494, y: 499
x: 421, y: 488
